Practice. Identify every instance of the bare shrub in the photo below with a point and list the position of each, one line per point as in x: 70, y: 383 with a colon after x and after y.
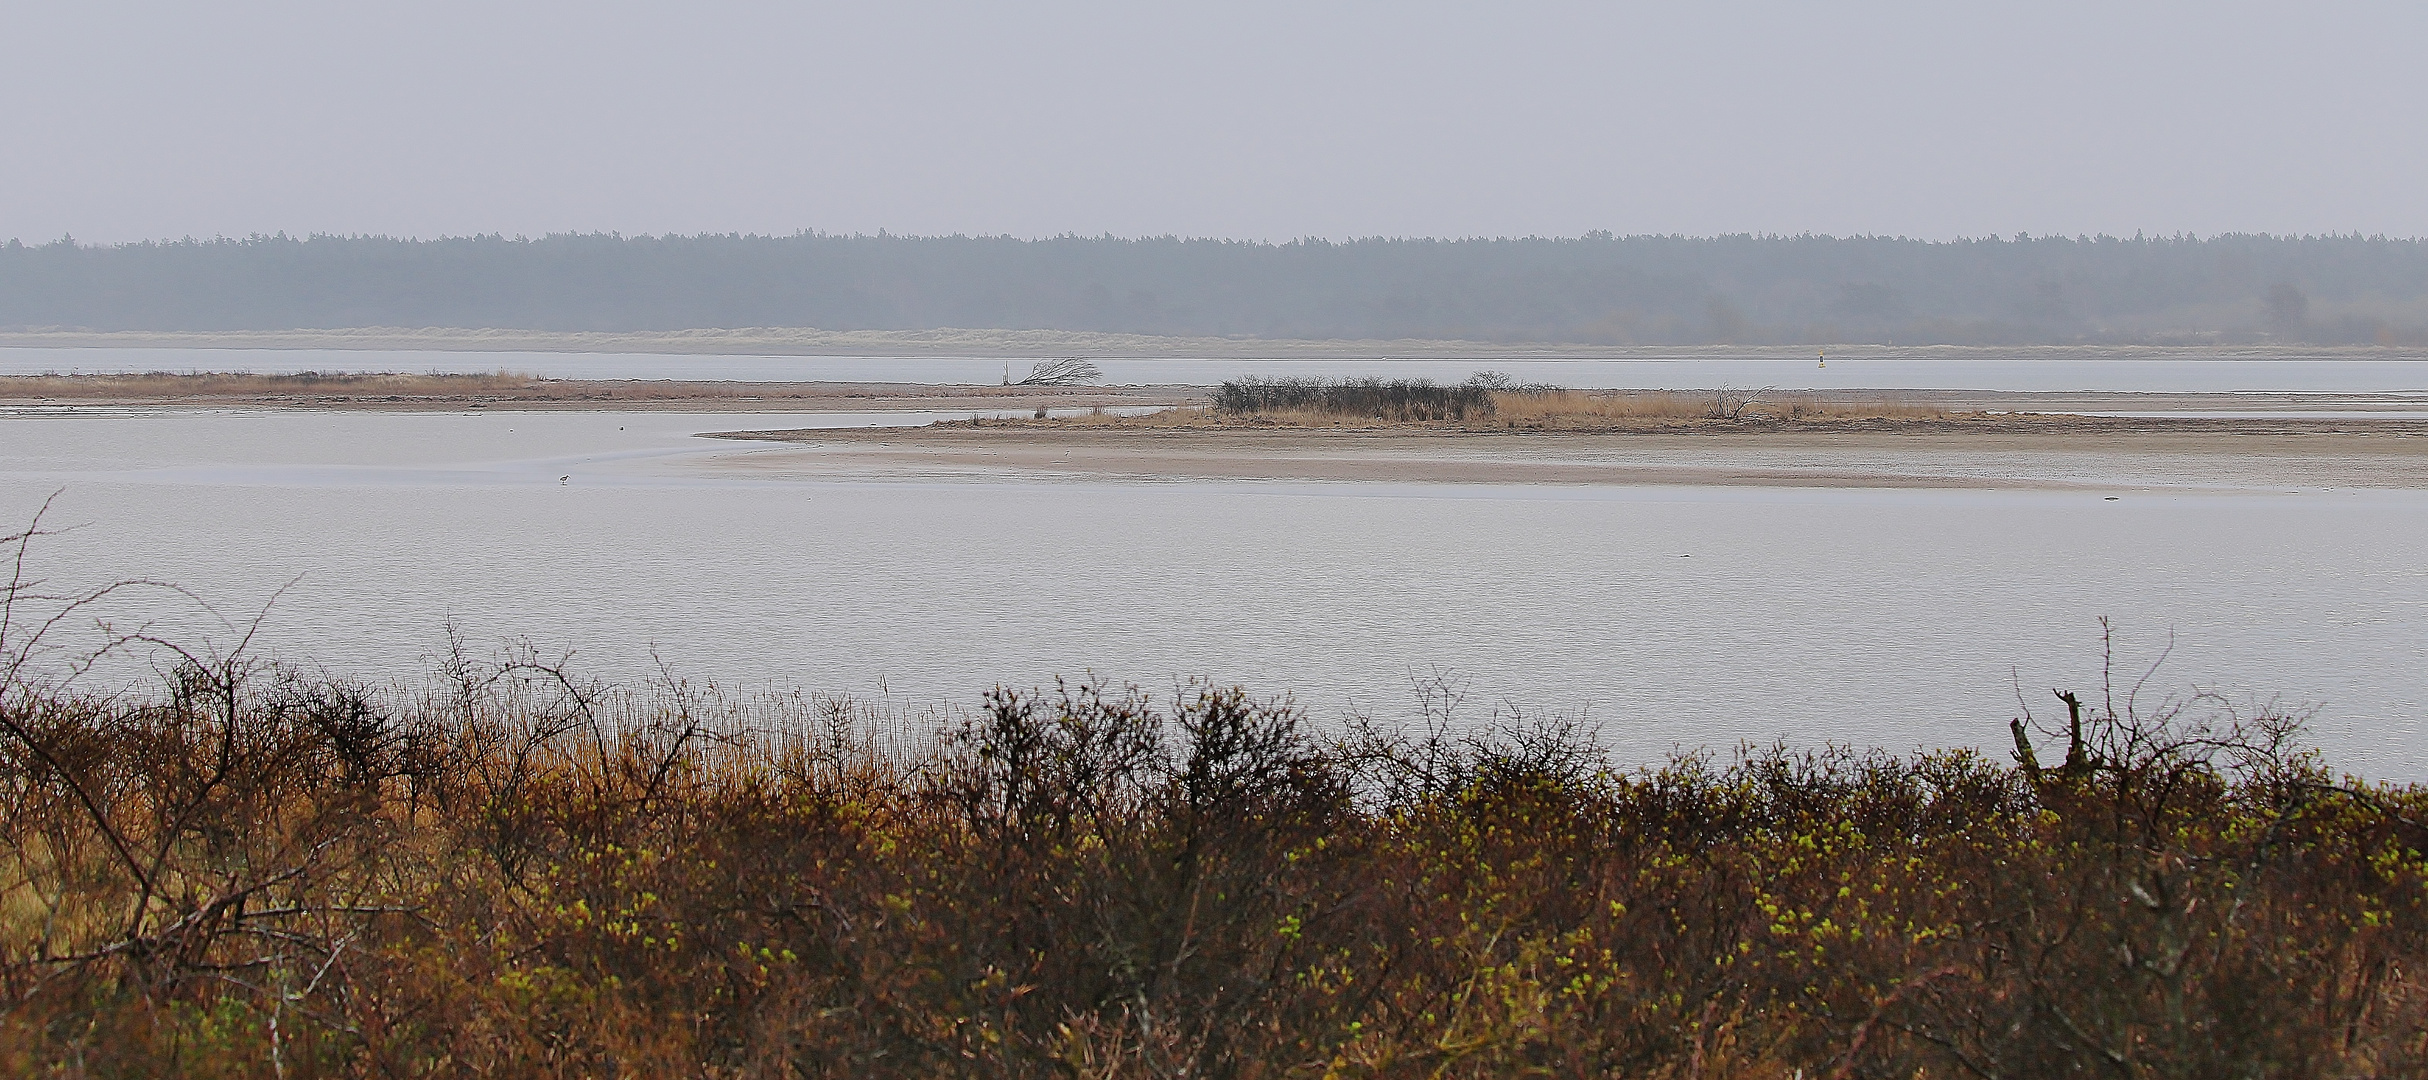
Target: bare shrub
x: 1067, y: 371
x: 1731, y: 403
x: 514, y: 871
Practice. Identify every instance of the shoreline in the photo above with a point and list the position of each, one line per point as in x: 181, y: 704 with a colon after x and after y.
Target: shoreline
x: 1936, y: 439
x: 2040, y: 452
x: 448, y: 393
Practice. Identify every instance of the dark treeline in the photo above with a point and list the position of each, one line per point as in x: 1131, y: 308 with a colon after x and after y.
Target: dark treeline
x: 2336, y: 290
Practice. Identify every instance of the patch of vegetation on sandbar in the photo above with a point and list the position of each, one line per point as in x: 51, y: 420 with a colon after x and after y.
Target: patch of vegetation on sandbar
x: 1490, y: 402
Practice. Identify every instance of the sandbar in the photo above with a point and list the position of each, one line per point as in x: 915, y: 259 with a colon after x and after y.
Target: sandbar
x: 2008, y: 452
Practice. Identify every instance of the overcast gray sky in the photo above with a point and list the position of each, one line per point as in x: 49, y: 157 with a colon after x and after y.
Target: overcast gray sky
x: 131, y: 119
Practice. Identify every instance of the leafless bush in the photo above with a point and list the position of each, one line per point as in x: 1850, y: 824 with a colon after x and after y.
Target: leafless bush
x: 1730, y: 403
x: 1067, y: 371
x: 516, y: 871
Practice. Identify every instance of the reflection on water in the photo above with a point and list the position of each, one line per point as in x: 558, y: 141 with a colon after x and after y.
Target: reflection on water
x: 1674, y: 615
x: 2023, y: 375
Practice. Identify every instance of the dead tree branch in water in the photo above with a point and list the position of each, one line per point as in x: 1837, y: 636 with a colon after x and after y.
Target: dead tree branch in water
x: 1067, y: 371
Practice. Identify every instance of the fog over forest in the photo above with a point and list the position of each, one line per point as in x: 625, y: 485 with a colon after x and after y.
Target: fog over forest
x: 1598, y: 288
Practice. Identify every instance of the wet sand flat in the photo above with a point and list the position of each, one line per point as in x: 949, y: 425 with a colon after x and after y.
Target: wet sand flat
x: 2041, y: 453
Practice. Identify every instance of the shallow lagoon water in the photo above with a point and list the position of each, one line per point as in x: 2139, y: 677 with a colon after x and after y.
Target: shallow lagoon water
x: 1668, y: 616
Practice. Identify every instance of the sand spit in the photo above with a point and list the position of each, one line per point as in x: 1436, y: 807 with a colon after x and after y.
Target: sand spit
x: 1940, y: 439
x: 410, y: 393
x: 2051, y: 452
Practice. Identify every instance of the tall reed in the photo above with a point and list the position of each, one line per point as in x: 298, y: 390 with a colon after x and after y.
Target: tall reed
x: 1384, y: 399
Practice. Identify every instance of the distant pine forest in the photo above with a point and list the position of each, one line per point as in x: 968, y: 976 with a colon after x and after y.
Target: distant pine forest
x: 1593, y: 289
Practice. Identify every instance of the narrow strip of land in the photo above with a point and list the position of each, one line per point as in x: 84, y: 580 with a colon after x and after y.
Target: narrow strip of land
x: 1967, y: 439
x: 2053, y: 452
x: 409, y: 393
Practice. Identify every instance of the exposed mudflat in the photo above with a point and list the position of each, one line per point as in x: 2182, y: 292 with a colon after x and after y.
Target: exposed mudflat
x: 2038, y: 451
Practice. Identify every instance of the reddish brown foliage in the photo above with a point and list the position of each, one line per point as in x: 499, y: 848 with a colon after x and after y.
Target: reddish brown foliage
x: 265, y: 876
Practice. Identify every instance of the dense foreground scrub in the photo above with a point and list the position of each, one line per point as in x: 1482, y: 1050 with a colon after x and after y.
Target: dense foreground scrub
x: 251, y: 873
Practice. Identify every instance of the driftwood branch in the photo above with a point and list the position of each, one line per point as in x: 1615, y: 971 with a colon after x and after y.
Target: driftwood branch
x: 1067, y: 371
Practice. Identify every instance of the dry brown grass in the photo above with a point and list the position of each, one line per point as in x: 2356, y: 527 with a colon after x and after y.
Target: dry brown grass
x: 1588, y: 408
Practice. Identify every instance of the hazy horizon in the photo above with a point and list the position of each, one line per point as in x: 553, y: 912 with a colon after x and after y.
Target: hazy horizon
x: 141, y: 120
x: 1598, y: 289
x: 890, y: 234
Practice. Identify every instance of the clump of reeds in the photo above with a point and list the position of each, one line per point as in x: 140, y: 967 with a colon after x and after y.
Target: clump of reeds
x: 1394, y: 400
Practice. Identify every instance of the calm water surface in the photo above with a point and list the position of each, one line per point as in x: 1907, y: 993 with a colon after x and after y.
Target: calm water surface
x: 2137, y: 376
x: 1669, y: 616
